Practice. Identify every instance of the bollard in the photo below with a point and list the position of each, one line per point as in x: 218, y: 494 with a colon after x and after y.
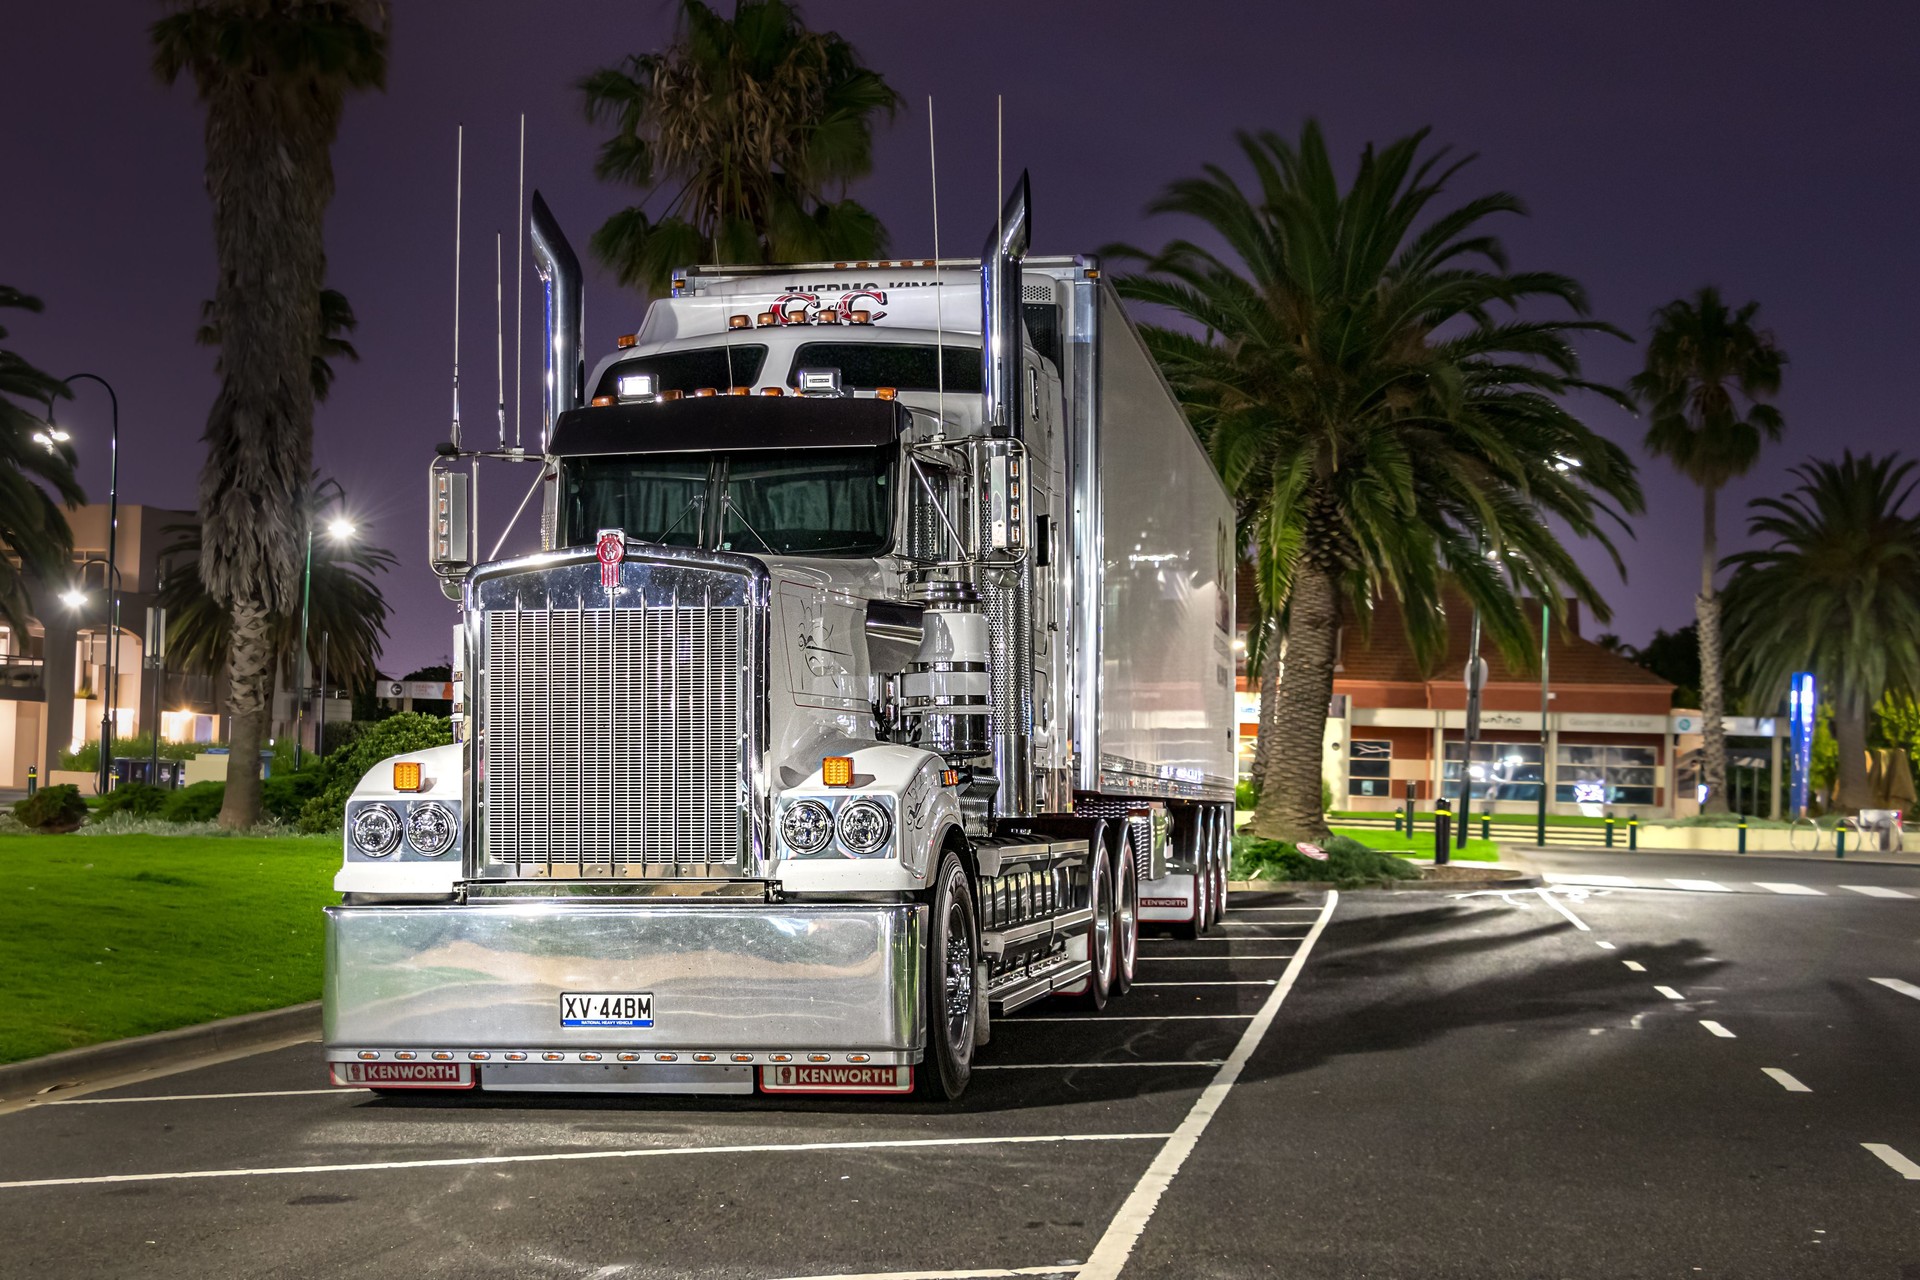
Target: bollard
x: 1486, y: 827
x: 33, y: 779
x: 1743, y: 833
x: 1633, y: 833
x: 1442, y: 833
x: 1609, y: 831
x: 1410, y: 813
x: 1840, y: 842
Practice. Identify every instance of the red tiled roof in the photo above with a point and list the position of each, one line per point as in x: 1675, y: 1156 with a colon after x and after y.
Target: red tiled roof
x: 1384, y: 655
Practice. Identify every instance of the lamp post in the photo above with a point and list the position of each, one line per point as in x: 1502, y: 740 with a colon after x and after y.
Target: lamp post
x: 340, y: 530
x: 53, y: 435
x: 1540, y: 818
x: 75, y: 598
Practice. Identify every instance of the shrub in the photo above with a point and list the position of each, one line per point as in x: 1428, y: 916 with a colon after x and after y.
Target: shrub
x: 138, y: 798
x: 1349, y: 864
x: 282, y: 795
x: 1244, y: 796
x: 397, y: 735
x: 197, y: 803
x: 87, y: 758
x: 52, y: 810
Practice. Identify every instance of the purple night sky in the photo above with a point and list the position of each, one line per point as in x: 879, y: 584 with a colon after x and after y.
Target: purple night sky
x: 1765, y: 147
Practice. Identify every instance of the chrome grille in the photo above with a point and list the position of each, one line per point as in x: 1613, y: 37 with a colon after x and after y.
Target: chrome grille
x: 613, y: 740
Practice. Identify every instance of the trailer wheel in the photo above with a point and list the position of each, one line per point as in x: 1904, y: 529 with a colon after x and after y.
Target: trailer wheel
x: 1100, y: 940
x: 1223, y: 859
x: 1126, y: 914
x: 949, y: 985
x: 1197, y: 843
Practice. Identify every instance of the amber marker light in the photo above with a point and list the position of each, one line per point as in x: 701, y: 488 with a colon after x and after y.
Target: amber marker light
x: 885, y: 393
x: 836, y: 771
x: 739, y: 322
x: 406, y: 775
x: 771, y: 391
x: 626, y: 340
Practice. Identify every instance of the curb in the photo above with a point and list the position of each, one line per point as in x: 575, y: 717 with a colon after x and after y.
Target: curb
x: 1512, y: 879
x: 161, y: 1049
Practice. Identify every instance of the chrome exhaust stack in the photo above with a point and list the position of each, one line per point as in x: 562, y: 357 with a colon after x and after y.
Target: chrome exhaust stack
x: 563, y: 363
x: 1000, y: 322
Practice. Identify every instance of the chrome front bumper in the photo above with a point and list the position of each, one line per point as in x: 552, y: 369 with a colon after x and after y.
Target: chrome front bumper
x: 731, y: 983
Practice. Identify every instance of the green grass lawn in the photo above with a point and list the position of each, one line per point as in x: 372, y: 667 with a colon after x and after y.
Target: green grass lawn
x: 109, y: 936
x: 1420, y: 846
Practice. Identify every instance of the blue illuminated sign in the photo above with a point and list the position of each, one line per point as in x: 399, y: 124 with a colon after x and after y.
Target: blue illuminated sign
x: 1801, y: 701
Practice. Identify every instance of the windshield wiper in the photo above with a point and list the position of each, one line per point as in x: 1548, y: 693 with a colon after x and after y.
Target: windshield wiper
x: 695, y: 501
x: 728, y: 507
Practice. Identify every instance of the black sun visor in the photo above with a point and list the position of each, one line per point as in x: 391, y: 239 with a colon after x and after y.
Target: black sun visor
x: 726, y: 424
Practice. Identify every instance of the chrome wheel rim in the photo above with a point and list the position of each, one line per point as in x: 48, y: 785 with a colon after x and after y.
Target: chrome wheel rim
x: 1129, y: 930
x: 957, y: 983
x: 1102, y: 926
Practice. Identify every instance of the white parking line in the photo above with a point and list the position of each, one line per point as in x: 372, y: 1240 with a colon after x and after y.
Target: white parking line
x: 1894, y: 984
x: 1224, y: 982
x: 1699, y: 886
x: 1116, y: 1244
x: 1610, y: 882
x: 1773, y: 887
x: 553, y: 1157
x: 1718, y: 1030
x: 1894, y: 1160
x: 1670, y: 993
x: 1076, y: 1066
x: 1876, y: 891
x: 1604, y: 946
x: 1634, y: 965
x: 201, y: 1097
x: 1784, y: 1080
x: 1561, y: 907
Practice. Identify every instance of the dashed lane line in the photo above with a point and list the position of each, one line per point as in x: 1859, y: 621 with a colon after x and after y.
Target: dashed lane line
x: 1894, y: 1160
x: 1670, y: 993
x: 558, y: 1157
x: 1603, y: 945
x: 1801, y: 889
x: 1634, y: 965
x: 1784, y: 1080
x: 1699, y: 886
x: 1894, y: 984
x: 1717, y: 1029
x: 1875, y: 891
x: 1117, y: 1242
x: 1562, y: 908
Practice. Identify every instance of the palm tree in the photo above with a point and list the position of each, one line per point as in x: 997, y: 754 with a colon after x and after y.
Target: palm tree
x: 756, y: 124
x: 348, y: 610
x: 336, y: 322
x: 1358, y: 381
x: 1835, y: 591
x: 273, y: 76
x: 1708, y: 374
x: 33, y: 529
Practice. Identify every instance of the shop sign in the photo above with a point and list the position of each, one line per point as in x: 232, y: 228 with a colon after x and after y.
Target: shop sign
x: 1584, y: 722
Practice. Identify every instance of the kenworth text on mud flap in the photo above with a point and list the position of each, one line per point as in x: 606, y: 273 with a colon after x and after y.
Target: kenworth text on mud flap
x: 874, y: 679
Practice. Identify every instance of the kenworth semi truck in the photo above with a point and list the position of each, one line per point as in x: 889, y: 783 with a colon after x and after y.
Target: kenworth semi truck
x: 874, y: 679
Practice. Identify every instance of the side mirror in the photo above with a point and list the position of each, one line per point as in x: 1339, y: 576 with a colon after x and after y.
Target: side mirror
x: 450, y: 543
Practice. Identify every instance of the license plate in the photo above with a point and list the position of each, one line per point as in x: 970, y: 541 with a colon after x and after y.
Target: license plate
x: 402, y: 1075
x: 836, y: 1079
x: 606, y: 1009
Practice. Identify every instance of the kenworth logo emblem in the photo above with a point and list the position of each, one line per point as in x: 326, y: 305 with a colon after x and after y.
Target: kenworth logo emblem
x: 610, y: 550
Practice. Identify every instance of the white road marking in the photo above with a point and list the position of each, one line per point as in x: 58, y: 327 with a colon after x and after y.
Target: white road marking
x: 1094, y: 1019
x: 1894, y: 1160
x: 1718, y: 1030
x: 553, y: 1157
x: 1561, y: 907
x: 1614, y: 882
x: 1634, y: 965
x: 1876, y: 891
x: 1784, y: 1080
x: 1699, y: 886
x: 202, y: 1097
x: 1894, y: 984
x: 1116, y: 1244
x: 1670, y: 993
x: 1224, y: 982
x: 1604, y: 946
x: 1774, y: 887
x: 1064, y: 1269
x: 1076, y: 1066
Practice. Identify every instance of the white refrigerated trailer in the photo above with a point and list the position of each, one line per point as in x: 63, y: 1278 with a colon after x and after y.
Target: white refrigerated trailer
x: 875, y: 677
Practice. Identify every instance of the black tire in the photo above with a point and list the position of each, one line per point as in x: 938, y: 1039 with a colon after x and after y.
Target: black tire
x: 1100, y: 941
x: 1194, y: 845
x: 1126, y: 915
x: 949, y: 986
x: 1217, y: 863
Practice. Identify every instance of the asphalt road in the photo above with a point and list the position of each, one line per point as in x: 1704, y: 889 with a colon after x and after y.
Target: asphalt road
x: 1453, y: 1087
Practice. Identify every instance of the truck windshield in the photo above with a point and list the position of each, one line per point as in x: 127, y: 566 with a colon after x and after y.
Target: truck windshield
x: 796, y: 502
x: 688, y: 371
x: 901, y: 365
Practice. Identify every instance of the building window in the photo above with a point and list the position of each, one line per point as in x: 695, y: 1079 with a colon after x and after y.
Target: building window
x: 1370, y: 767
x: 1501, y: 770
x: 1606, y: 775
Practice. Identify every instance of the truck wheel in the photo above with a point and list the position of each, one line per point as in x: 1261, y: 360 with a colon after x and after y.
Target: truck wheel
x: 1196, y: 924
x: 1100, y: 939
x: 1223, y: 859
x: 1126, y: 915
x: 949, y: 984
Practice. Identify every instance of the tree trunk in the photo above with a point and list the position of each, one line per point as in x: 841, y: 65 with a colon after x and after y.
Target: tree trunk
x: 1269, y: 713
x: 1852, y: 791
x: 250, y: 671
x: 1290, y: 805
x: 1706, y: 611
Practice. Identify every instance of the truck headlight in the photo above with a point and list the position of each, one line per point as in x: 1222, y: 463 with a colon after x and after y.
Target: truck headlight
x: 431, y: 828
x: 864, y: 827
x: 806, y: 826
x: 375, y: 830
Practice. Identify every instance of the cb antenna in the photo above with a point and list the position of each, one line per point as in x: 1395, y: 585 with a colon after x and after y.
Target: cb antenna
x: 499, y: 346
x: 519, y: 277
x: 459, y: 173
x: 939, y: 327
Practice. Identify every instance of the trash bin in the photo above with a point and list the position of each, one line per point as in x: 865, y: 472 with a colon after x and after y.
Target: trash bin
x: 1880, y: 830
x: 140, y: 769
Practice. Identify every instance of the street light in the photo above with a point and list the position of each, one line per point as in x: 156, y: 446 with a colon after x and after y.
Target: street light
x: 52, y: 436
x: 74, y: 598
x: 340, y: 529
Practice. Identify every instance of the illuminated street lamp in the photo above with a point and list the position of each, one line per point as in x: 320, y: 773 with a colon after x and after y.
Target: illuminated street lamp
x: 339, y: 529
x: 50, y: 438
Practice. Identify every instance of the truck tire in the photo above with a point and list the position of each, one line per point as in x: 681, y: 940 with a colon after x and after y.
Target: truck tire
x: 1223, y: 862
x: 949, y: 985
x: 1126, y: 914
x: 1197, y: 842
x: 1100, y: 939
